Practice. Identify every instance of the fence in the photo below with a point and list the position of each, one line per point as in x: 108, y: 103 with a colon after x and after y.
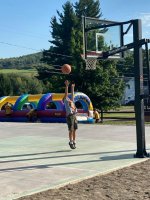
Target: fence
x: 113, y: 117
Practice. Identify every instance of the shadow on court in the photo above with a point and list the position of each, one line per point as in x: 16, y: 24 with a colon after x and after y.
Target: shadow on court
x: 37, y: 157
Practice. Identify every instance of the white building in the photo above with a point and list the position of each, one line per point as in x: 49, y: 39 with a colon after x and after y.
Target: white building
x: 129, y: 92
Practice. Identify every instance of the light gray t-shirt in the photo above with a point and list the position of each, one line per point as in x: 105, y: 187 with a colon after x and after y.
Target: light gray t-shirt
x: 69, y: 110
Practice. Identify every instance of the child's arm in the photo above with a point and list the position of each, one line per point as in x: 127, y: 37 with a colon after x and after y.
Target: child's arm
x: 66, y: 89
x: 72, y: 92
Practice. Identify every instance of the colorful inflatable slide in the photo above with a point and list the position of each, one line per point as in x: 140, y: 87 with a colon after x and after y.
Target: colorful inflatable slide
x: 49, y: 107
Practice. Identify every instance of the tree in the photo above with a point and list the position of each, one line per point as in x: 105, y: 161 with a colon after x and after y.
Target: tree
x: 88, y: 8
x: 125, y: 66
x: 22, y: 62
x: 107, y: 87
x: 5, y: 85
x: 13, y: 84
x: 67, y: 40
x: 63, y: 32
x: 66, y: 46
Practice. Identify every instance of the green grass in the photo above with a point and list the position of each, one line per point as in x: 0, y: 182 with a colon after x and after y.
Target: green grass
x: 124, y: 115
x: 121, y: 115
x: 120, y: 121
x: 29, y: 72
x: 126, y: 108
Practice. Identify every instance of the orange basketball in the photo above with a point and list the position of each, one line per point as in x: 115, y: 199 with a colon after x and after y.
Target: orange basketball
x: 66, y: 69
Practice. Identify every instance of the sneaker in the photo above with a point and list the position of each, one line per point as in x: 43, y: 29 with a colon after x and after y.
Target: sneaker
x: 74, y: 144
x: 71, y: 145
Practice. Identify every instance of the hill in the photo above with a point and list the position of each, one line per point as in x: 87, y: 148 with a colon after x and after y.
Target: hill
x: 22, y: 62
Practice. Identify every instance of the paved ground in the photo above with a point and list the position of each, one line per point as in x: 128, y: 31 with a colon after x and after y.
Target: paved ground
x: 36, y: 157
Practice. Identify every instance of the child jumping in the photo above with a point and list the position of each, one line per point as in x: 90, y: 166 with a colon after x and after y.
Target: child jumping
x: 71, y: 111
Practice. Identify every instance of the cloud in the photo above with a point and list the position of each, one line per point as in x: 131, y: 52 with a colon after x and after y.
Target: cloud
x: 145, y: 17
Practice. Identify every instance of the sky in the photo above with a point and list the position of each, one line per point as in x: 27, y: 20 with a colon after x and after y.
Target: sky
x: 25, y: 24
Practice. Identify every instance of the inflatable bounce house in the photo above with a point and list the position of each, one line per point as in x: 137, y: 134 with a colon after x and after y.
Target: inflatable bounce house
x: 49, y: 108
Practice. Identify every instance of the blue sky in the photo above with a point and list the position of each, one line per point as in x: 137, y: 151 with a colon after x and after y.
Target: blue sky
x: 25, y: 24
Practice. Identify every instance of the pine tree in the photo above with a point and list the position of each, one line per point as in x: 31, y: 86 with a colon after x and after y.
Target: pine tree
x: 100, y: 85
x: 63, y: 33
x: 88, y: 8
x: 67, y: 39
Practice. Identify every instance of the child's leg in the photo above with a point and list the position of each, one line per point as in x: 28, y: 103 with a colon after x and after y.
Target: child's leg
x: 71, y: 136
x: 74, y: 135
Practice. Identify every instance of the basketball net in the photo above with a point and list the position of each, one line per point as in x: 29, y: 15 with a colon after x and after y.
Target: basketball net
x: 90, y: 62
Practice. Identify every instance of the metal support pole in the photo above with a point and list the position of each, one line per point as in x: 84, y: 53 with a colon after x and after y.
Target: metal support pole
x: 122, y: 39
x: 139, y: 102
x: 148, y: 66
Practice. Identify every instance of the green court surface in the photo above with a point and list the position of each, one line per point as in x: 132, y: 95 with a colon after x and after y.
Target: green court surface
x: 36, y: 156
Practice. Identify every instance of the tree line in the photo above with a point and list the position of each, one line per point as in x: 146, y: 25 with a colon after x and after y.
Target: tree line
x: 22, y: 62
x: 16, y: 85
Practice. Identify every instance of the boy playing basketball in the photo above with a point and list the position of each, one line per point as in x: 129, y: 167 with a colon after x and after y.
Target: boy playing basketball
x: 71, y: 115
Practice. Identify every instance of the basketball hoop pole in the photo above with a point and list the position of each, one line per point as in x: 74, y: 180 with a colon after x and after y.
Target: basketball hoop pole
x: 139, y: 91
x: 138, y: 68
x: 148, y: 66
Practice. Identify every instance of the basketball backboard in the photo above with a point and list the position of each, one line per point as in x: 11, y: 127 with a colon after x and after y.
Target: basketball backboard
x: 98, y: 39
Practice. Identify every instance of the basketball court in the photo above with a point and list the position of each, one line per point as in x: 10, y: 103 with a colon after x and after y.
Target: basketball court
x: 36, y: 156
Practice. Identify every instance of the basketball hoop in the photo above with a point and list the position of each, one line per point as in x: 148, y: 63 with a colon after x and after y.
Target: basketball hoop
x: 91, y: 60
x: 90, y: 63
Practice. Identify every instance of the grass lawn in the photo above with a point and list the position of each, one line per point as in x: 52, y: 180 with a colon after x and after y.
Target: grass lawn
x: 117, y: 113
x: 109, y: 118
x: 29, y: 72
x: 120, y: 115
x: 121, y: 122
